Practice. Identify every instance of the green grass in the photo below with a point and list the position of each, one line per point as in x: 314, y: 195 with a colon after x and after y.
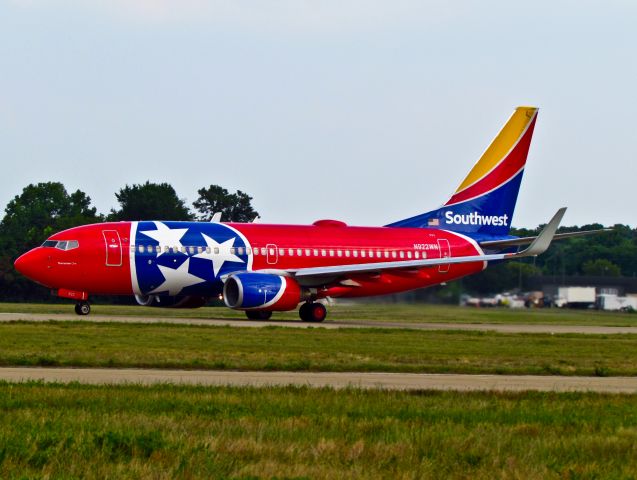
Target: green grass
x: 364, y: 312
x: 170, y: 432
x: 85, y: 344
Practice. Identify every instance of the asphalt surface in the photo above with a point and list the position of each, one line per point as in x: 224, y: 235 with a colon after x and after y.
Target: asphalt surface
x: 494, y: 327
x: 387, y: 381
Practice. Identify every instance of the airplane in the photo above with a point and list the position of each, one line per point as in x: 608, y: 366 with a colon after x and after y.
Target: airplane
x: 263, y: 268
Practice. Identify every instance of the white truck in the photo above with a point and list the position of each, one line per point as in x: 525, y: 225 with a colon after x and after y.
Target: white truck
x: 575, y: 297
x: 608, y: 301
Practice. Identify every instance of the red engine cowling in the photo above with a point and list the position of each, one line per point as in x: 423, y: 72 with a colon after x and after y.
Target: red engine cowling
x: 261, y: 291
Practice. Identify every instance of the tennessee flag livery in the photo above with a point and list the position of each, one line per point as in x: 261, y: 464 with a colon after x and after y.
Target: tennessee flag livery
x: 262, y: 268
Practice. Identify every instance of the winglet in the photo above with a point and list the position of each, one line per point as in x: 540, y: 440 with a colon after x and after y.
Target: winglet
x: 216, y: 218
x: 544, y: 239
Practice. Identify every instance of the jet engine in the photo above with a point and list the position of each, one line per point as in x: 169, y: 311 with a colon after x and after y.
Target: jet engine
x: 261, y: 291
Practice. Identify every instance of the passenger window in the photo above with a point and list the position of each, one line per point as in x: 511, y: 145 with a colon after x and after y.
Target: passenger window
x: 417, y: 254
x: 149, y: 248
x: 324, y: 253
x: 199, y: 249
x: 371, y: 254
x: 240, y: 251
x: 248, y: 251
x: 256, y: 251
x: 299, y: 252
x: 183, y: 249
x: 331, y: 253
x: 140, y: 249
x: 355, y: 253
x: 408, y: 254
x: 271, y: 252
x: 393, y: 254
x: 216, y: 250
x: 339, y: 253
x: 291, y: 252
x: 262, y: 250
x: 379, y: 254
x: 316, y: 253
x: 347, y: 253
x: 166, y: 248
x: 386, y: 254
x: 307, y: 252
x: 208, y: 250
x: 157, y: 249
x: 402, y: 254
x: 363, y: 253
x: 281, y: 252
x: 232, y: 250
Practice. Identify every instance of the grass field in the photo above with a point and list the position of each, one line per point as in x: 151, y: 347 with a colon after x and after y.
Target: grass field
x: 84, y: 344
x: 193, y: 432
x: 366, y: 312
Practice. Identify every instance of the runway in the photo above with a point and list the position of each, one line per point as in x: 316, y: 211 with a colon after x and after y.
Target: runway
x: 338, y: 380
x: 493, y: 327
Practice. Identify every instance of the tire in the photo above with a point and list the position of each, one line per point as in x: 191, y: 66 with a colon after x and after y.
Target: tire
x: 313, y: 312
x: 258, y: 314
x: 82, y: 308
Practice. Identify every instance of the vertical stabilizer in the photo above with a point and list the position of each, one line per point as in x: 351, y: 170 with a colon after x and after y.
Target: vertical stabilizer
x: 485, y: 201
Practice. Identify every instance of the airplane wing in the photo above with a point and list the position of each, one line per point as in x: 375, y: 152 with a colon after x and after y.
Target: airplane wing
x: 538, y: 246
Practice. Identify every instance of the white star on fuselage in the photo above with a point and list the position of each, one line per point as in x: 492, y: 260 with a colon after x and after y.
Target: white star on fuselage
x: 224, y: 255
x: 167, y: 237
x: 176, y: 279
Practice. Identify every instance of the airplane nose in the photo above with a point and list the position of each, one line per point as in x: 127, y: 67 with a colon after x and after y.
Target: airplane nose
x: 28, y: 264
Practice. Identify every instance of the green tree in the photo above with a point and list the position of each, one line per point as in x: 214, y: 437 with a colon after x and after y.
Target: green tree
x: 234, y: 207
x: 41, y: 210
x: 150, y: 201
x: 601, y: 267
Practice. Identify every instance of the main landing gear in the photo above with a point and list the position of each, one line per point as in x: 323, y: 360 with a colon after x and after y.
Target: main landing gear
x: 82, y: 308
x: 313, y: 312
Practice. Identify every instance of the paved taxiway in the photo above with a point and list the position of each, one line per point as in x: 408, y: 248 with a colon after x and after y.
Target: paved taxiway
x: 494, y: 327
x: 388, y: 381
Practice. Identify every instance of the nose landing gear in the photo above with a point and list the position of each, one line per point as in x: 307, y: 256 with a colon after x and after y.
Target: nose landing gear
x: 313, y: 312
x: 82, y: 308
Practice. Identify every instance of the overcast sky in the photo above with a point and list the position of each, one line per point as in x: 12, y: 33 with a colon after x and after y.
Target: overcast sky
x: 366, y: 111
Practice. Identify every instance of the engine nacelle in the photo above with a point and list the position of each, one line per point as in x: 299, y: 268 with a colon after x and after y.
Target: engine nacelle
x: 261, y: 291
x: 180, y: 301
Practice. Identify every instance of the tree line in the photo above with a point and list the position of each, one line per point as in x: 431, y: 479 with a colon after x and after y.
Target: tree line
x: 45, y: 208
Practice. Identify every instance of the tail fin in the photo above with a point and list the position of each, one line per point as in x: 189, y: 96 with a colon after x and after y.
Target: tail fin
x: 484, y: 202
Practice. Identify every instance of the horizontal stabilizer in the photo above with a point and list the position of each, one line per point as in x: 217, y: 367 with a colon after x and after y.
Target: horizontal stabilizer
x: 514, y: 242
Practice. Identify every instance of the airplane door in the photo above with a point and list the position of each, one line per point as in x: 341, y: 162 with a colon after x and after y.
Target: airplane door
x: 272, y: 254
x: 445, y: 252
x: 113, y: 248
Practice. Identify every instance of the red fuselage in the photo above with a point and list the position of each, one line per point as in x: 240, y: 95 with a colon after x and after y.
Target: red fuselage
x: 127, y: 258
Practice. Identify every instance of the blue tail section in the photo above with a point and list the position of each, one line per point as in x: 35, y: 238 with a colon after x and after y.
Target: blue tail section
x: 487, y: 215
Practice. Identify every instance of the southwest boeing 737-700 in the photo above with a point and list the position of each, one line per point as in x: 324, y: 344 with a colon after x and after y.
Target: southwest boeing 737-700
x: 263, y: 268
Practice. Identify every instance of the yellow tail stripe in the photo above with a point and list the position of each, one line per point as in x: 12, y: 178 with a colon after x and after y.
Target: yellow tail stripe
x: 500, y: 146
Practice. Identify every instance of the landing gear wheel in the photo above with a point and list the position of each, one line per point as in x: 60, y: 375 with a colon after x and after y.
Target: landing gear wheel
x: 313, y: 312
x: 258, y: 314
x: 82, y: 308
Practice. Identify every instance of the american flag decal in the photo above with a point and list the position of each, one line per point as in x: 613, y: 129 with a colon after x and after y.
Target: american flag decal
x: 433, y: 222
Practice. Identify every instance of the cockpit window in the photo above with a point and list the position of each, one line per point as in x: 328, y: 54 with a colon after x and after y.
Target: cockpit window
x: 61, y: 244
